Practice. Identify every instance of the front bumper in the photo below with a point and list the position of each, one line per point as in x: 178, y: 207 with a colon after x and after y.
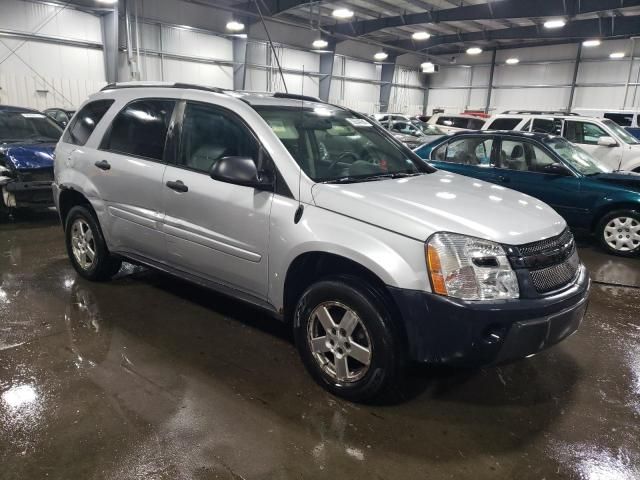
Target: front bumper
x: 450, y: 331
x: 27, y: 194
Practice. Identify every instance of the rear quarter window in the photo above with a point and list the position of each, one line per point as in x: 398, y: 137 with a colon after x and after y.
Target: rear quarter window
x: 504, y: 124
x: 85, y: 121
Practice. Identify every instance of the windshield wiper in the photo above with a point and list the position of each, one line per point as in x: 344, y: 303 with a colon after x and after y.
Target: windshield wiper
x: 372, y: 178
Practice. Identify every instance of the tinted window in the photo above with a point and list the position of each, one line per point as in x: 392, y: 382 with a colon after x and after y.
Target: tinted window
x: 140, y: 129
x: 457, y: 122
x: 622, y: 119
x: 524, y: 156
x: 469, y: 151
x: 504, y: 124
x: 474, y: 123
x: 582, y: 132
x: 85, y: 122
x: 209, y: 134
x: 547, y: 125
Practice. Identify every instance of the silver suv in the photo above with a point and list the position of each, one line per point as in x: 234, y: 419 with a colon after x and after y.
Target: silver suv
x: 320, y: 217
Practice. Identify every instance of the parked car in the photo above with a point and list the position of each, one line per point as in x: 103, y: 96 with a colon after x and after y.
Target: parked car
x: 610, y: 144
x: 373, y: 256
x: 455, y: 123
x: 421, y: 118
x: 27, y: 140
x: 60, y: 115
x: 412, y: 133
x: 589, y: 197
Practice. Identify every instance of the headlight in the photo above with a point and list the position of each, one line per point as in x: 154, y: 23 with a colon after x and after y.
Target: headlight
x: 469, y: 268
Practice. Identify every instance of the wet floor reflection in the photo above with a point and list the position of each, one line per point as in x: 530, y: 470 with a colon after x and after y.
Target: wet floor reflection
x: 150, y: 377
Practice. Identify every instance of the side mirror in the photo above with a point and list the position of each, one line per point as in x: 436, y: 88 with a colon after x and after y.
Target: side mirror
x: 241, y: 171
x: 556, y: 169
x: 607, y: 142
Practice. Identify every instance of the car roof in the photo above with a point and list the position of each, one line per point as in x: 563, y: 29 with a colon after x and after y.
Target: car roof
x: 10, y: 108
x: 510, y: 133
x: 461, y: 115
x: 544, y: 115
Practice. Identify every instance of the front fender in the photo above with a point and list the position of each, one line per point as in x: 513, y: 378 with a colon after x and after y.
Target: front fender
x: 398, y: 261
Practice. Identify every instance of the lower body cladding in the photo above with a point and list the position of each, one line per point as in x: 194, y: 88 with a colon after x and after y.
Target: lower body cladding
x: 445, y: 330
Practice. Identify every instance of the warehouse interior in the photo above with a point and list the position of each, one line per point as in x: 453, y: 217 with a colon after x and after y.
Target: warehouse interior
x: 150, y: 376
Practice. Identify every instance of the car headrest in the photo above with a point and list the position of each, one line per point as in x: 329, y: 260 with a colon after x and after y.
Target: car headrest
x: 517, y: 152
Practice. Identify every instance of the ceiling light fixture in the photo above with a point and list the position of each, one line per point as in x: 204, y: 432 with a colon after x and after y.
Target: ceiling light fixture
x: 557, y: 23
x: 108, y: 1
x: 381, y: 56
x: 474, y: 50
x: 617, y: 55
x: 591, y: 43
x: 421, y: 36
x: 512, y: 61
x: 428, y: 67
x: 320, y: 43
x: 342, y: 13
x: 234, y: 26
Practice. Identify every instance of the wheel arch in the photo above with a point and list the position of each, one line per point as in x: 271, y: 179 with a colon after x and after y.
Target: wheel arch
x: 70, y: 198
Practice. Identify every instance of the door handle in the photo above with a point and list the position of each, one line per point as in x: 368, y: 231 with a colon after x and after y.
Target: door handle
x: 503, y: 178
x: 178, y: 186
x: 103, y: 165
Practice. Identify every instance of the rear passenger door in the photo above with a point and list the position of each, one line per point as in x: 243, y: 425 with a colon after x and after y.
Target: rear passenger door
x: 214, y: 229
x: 127, y: 173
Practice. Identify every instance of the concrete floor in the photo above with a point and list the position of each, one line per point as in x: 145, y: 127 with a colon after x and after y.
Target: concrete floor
x: 149, y: 377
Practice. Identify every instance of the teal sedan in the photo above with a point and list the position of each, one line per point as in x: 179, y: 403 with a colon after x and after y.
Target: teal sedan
x: 589, y: 196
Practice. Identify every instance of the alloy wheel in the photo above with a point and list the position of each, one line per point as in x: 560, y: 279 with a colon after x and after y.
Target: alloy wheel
x: 83, y: 244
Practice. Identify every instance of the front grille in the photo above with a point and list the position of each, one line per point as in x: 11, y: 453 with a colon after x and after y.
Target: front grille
x: 552, y: 263
x: 557, y: 276
x: 36, y: 175
x: 536, y: 248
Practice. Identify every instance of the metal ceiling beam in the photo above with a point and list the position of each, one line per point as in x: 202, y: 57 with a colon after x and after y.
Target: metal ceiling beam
x: 577, y: 29
x: 493, y: 10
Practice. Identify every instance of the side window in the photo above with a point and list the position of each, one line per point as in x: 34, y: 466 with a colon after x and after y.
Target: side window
x: 209, y: 133
x: 439, y: 153
x: 582, y: 132
x: 504, y: 124
x: 85, y: 122
x: 469, y: 151
x: 140, y: 129
x: 543, y: 125
x: 523, y: 156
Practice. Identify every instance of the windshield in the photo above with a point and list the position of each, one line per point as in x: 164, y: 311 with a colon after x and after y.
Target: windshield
x: 28, y: 127
x: 575, y: 156
x: 336, y: 145
x: 428, y: 128
x: 625, y: 136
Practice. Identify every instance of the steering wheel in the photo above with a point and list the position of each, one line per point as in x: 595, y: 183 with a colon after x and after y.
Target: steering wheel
x: 341, y: 157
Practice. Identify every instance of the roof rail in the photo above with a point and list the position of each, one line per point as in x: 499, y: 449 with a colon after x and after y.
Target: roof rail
x: 115, y: 86
x: 540, y: 112
x: 295, y: 96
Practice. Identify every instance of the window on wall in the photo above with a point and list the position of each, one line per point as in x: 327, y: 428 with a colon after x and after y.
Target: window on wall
x: 140, y: 129
x: 523, y: 156
x: 209, y: 134
x: 85, y: 122
x: 583, y: 132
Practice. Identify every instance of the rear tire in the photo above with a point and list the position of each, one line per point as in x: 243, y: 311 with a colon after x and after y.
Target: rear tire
x: 619, y: 233
x: 86, y: 247
x: 347, y: 340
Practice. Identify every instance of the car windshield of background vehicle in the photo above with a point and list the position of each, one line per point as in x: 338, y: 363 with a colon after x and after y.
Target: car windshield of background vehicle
x: 336, y: 146
x: 28, y: 127
x: 575, y: 156
x: 427, y: 128
x: 625, y: 136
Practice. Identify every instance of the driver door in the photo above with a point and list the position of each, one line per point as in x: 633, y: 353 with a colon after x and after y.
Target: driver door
x: 216, y: 230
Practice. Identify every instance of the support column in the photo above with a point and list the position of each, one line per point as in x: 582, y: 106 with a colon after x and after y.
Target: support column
x: 490, y: 87
x: 388, y: 70
x: 575, y: 78
x: 326, y: 71
x: 239, y: 62
x: 109, y: 26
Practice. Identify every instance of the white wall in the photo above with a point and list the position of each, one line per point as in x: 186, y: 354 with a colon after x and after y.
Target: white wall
x: 540, y: 81
x: 45, y: 74
x: 347, y: 90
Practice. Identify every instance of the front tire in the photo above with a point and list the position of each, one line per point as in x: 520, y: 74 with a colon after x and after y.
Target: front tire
x: 347, y: 340
x: 86, y: 247
x: 619, y: 233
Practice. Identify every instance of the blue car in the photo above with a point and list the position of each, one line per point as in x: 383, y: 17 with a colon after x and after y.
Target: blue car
x: 590, y: 198
x: 27, y: 141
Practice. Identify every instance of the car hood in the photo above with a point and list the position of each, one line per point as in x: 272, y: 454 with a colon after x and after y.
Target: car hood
x: 623, y: 179
x: 29, y: 156
x: 422, y: 205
